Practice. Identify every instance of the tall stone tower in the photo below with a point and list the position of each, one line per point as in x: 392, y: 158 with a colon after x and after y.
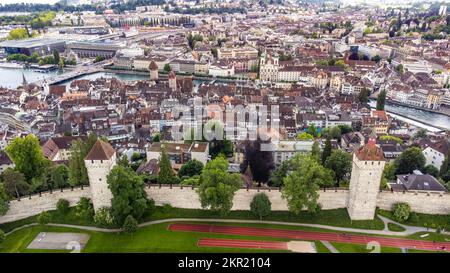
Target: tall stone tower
x: 172, y: 81
x: 99, y: 162
x: 153, y: 71
x: 367, y: 170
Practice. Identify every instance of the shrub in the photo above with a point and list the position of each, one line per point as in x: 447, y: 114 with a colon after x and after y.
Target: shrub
x: 84, y: 208
x: 2, y: 236
x: 62, y: 206
x: 166, y: 208
x: 103, y: 217
x: 260, y: 205
x: 401, y: 212
x: 130, y: 225
x: 44, y: 218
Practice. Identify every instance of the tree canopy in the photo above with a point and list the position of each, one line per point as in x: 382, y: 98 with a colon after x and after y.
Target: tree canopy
x: 340, y: 163
x: 217, y: 186
x: 411, y: 159
x: 129, y: 196
x: 191, y: 168
x: 301, y: 186
x: 26, y: 153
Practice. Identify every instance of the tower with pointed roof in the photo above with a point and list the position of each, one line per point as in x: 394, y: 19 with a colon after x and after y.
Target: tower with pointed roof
x: 99, y: 162
x: 367, y: 171
x: 153, y: 71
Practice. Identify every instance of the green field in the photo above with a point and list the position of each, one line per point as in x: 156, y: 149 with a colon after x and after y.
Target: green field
x: 158, y: 239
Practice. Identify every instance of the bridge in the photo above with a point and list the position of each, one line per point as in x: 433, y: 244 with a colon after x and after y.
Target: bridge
x: 79, y: 71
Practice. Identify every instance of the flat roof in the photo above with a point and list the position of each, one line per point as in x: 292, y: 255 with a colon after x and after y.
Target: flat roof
x: 29, y: 43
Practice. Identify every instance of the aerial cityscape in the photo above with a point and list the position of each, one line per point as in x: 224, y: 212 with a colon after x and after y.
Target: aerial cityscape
x: 225, y: 126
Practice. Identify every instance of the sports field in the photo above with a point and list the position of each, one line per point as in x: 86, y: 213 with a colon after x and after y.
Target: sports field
x: 160, y: 238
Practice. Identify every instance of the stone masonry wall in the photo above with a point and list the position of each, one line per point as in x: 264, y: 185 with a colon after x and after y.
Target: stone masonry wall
x: 27, y: 207
x: 186, y: 197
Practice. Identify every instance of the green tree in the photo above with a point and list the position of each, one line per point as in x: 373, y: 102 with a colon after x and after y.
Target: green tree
x: 431, y: 170
x: 26, y: 153
x: 381, y: 100
x: 217, y: 186
x: 278, y: 175
x: 4, y: 200
x: 104, y: 218
x: 421, y: 133
x: 315, y: 151
x: 56, y: 57
x: 340, y: 163
x: 191, y: 168
x: 78, y: 151
x: 302, y: 184
x: 14, y: 183
x: 129, y: 197
x: 391, y: 138
x: 62, y: 206
x: 411, y: 159
x: 401, y: 212
x: 259, y: 160
x: 18, y: 34
x: 2, y: 236
x: 77, y: 169
x: 305, y: 136
x: 123, y: 161
x: 312, y: 130
x: 167, y: 68
x: 364, y: 96
x: 59, y: 176
x: 260, y: 205
x: 335, y: 133
x: 84, y: 209
x: 166, y: 174
x: 44, y: 218
x: 326, y: 150
x: 130, y: 225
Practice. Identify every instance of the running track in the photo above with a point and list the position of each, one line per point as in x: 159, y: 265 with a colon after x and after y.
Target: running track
x: 312, y: 235
x: 215, y: 242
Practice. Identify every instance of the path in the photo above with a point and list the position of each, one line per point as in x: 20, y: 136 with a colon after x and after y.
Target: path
x: 330, y: 247
x: 313, y: 236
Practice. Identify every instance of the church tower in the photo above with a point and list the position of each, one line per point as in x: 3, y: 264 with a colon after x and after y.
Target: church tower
x: 153, y: 71
x: 172, y: 81
x: 99, y: 162
x: 367, y: 171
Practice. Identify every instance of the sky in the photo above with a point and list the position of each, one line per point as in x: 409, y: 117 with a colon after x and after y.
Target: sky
x: 28, y: 1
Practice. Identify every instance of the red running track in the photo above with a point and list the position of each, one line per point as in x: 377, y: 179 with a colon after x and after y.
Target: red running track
x: 214, y: 242
x: 313, y: 235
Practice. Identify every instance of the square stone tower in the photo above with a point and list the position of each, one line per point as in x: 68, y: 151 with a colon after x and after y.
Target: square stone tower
x: 99, y: 162
x: 367, y: 171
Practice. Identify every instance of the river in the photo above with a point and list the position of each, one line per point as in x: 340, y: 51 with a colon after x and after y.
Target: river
x: 421, y: 118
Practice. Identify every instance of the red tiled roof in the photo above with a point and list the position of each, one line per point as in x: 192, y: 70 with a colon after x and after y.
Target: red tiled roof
x: 100, y: 151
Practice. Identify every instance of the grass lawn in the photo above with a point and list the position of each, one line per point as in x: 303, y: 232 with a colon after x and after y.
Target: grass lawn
x: 337, y: 217
x: 152, y: 239
x: 354, y: 248
x: 395, y: 227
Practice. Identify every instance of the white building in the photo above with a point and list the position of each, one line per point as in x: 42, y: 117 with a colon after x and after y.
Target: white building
x: 436, y: 152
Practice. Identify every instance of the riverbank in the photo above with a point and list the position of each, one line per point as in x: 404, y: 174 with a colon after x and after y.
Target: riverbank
x: 396, y: 103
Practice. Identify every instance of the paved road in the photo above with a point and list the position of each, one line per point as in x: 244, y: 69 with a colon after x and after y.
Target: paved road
x: 313, y: 236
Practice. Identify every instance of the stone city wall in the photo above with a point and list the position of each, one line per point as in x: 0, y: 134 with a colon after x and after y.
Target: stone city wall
x: 27, y: 206
x: 186, y: 197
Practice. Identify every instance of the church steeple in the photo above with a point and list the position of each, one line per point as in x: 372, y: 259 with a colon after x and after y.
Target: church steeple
x: 24, y: 80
